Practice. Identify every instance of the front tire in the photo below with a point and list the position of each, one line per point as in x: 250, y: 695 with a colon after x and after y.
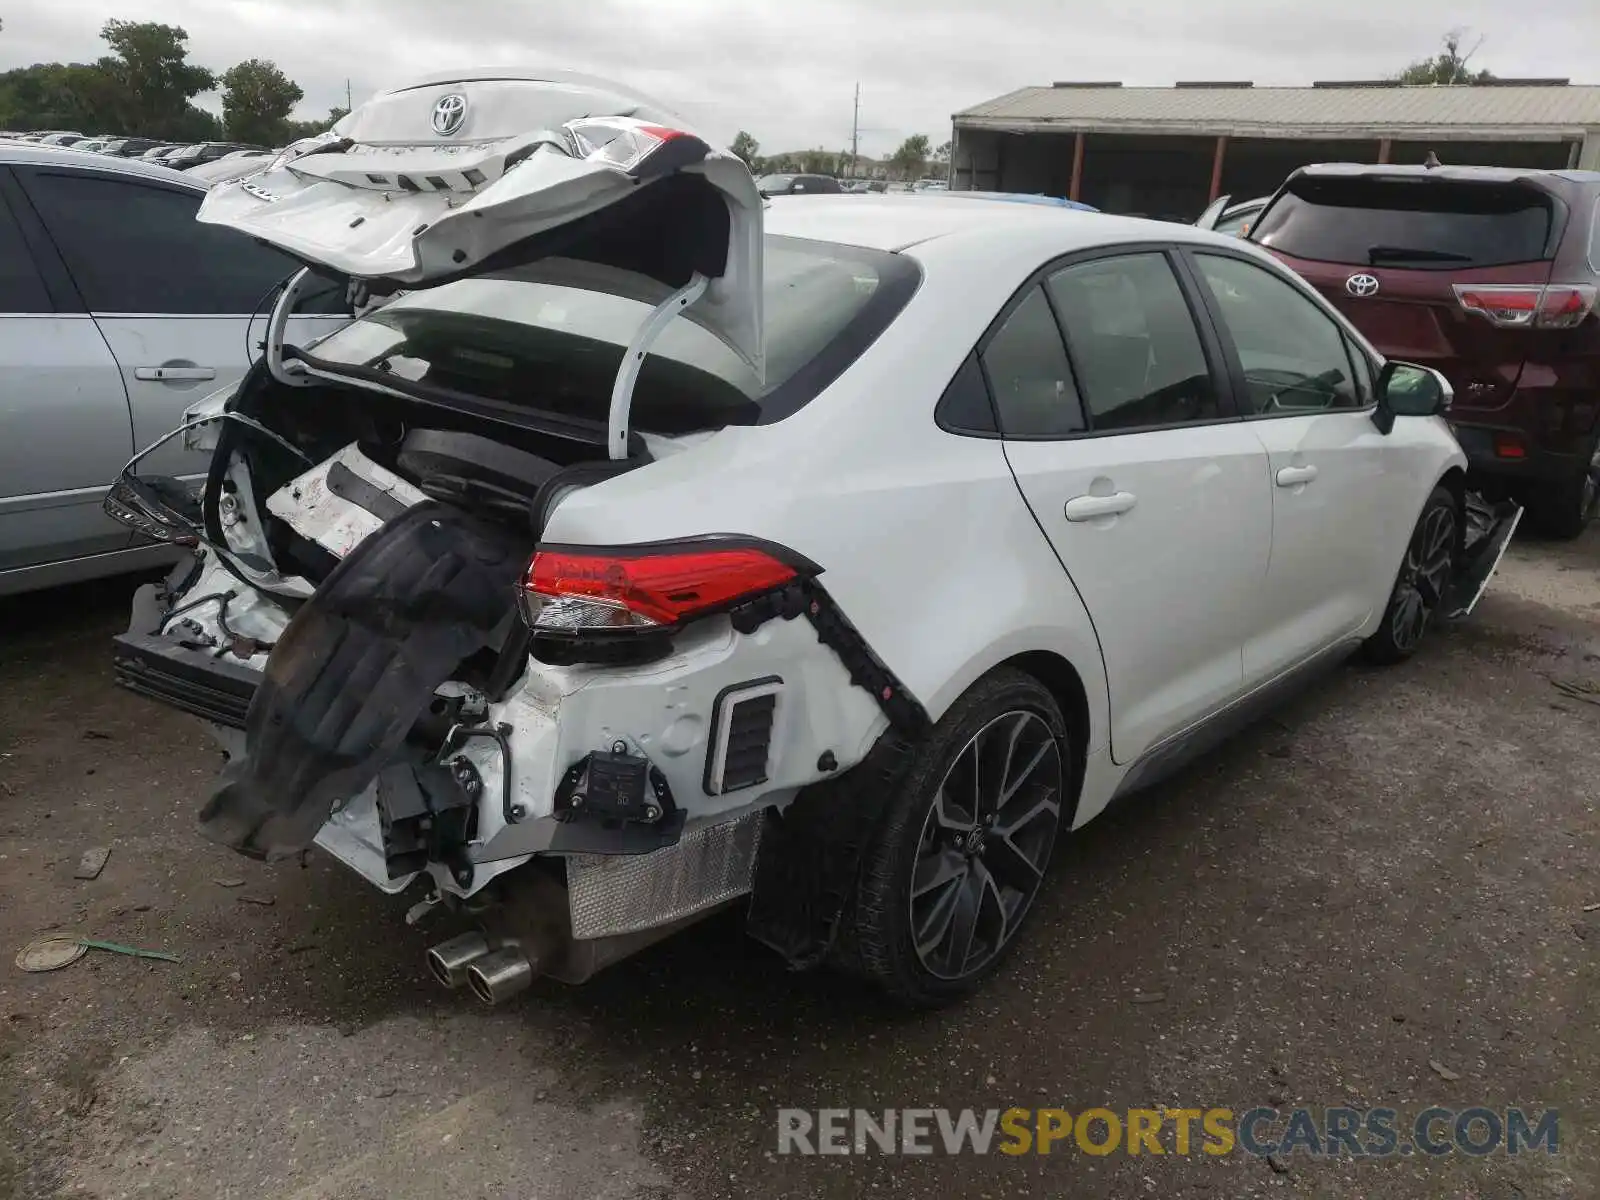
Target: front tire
x: 958, y: 861
x: 1425, y: 574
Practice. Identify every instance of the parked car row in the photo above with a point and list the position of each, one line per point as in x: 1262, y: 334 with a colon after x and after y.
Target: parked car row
x: 802, y: 183
x: 180, y: 156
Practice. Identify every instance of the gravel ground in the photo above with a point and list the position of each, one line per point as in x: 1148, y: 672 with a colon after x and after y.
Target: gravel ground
x: 1388, y: 878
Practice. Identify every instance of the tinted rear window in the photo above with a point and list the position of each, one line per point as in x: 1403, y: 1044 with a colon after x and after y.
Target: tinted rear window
x: 538, y: 336
x: 1423, y: 224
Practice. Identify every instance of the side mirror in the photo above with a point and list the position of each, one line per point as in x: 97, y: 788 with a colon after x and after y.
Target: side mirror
x: 1407, y: 390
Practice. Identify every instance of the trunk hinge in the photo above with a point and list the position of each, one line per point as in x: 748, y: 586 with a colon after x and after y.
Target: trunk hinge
x: 277, y: 327
x: 633, y: 360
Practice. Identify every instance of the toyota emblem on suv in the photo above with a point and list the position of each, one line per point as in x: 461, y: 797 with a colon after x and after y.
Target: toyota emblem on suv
x: 1356, y: 285
x: 449, y: 113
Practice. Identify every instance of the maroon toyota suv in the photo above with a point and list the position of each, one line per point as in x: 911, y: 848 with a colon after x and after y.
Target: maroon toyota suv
x: 1488, y: 274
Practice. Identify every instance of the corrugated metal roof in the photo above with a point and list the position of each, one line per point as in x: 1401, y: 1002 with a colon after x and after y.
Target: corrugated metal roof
x: 1383, y: 110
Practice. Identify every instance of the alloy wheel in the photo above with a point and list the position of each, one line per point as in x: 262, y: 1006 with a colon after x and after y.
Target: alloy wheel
x: 1423, y: 577
x: 985, y: 844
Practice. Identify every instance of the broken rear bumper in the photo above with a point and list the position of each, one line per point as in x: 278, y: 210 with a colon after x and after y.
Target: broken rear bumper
x: 551, y: 729
x: 194, y: 681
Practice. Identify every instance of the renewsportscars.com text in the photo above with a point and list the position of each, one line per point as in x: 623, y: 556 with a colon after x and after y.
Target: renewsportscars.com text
x: 1330, y: 1132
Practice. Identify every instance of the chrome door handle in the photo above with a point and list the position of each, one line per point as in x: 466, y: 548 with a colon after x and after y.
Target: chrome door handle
x: 174, y: 374
x: 1290, y: 476
x: 1087, y: 508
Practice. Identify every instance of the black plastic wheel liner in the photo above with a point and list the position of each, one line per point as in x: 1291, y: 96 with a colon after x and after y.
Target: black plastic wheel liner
x: 356, y: 667
x: 810, y: 856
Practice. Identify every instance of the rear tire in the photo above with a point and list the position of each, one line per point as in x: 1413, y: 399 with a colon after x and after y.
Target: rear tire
x: 958, y: 861
x: 1564, y: 509
x: 1425, y: 574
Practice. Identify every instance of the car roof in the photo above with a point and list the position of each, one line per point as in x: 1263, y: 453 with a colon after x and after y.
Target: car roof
x: 1465, y: 173
x: 1015, y: 198
x: 33, y: 154
x: 890, y: 221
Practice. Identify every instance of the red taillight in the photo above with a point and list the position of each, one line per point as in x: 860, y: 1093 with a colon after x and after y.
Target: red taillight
x: 1566, y: 305
x: 624, y: 142
x: 642, y: 588
x: 1513, y: 306
x: 1509, y: 445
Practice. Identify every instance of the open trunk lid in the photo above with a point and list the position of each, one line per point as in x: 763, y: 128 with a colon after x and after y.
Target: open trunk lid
x: 1213, y: 213
x: 1411, y: 258
x: 470, y: 172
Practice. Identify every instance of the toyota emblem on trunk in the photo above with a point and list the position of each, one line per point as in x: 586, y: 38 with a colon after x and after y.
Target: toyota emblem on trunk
x: 449, y: 113
x: 1356, y: 285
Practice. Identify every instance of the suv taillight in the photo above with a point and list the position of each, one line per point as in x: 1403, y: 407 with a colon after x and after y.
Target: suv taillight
x: 1511, y: 306
x: 655, y: 587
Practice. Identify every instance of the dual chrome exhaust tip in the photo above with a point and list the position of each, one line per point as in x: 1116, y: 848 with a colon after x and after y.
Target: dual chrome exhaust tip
x: 494, y: 971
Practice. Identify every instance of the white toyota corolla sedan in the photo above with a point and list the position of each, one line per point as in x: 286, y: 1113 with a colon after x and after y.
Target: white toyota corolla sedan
x: 643, y: 549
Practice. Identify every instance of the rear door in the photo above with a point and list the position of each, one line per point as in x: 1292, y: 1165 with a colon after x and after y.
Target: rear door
x: 1152, y: 493
x: 174, y: 299
x: 1387, y: 251
x: 64, y: 430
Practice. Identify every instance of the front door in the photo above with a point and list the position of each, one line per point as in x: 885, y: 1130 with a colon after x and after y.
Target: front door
x: 63, y: 413
x: 1336, y: 479
x: 1154, y: 498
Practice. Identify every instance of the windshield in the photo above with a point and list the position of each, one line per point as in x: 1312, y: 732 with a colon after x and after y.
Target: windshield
x: 551, y: 336
x: 1416, y: 223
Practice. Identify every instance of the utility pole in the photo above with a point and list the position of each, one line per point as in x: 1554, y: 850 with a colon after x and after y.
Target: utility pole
x: 348, y: 104
x: 855, y: 131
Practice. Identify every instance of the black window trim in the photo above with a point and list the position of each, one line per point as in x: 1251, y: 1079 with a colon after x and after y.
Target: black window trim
x: 59, y: 287
x: 1222, y: 381
x: 1352, y: 342
x: 941, y: 410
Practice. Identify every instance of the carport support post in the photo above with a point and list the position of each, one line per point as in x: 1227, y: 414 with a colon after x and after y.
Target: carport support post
x: 1077, y: 167
x: 1218, y: 157
x: 1385, y: 145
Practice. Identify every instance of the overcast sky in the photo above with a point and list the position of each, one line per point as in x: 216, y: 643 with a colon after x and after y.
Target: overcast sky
x: 786, y: 69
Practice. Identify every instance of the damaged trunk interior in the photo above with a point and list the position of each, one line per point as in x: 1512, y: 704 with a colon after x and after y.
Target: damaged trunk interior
x: 413, y: 524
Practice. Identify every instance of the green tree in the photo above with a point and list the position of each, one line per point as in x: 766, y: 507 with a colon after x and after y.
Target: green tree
x: 195, y: 125
x: 911, y: 158
x: 156, y: 82
x: 942, y: 154
x: 59, y: 96
x: 746, y: 147
x: 818, y: 162
x: 1449, y: 65
x: 257, y: 99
